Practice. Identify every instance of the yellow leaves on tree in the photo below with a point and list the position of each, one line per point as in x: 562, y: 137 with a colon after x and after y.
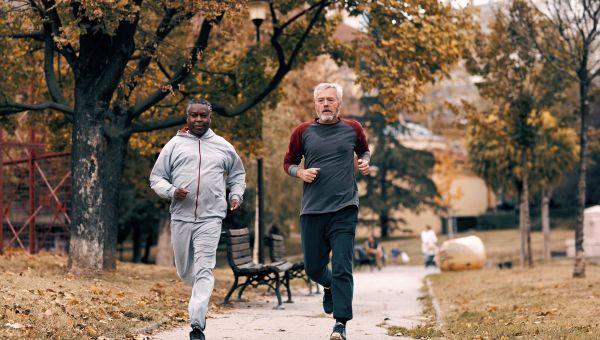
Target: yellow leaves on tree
x: 406, y: 46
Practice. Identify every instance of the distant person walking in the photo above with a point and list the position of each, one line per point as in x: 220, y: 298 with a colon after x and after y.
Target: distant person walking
x: 329, y: 210
x: 429, y: 246
x: 193, y: 170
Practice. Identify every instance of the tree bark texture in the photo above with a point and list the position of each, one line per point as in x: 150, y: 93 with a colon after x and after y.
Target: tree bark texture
x: 99, y: 142
x: 524, y: 216
x: 384, y: 221
x: 96, y: 165
x: 384, y: 216
x: 164, y: 254
x: 579, y: 266
x: 545, y: 218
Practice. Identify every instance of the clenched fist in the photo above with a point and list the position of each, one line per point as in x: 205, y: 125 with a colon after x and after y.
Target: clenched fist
x: 180, y: 193
x: 308, y: 175
x: 363, y: 167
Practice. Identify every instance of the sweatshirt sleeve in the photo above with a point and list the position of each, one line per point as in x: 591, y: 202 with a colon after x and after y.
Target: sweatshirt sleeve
x: 362, y: 146
x: 160, y: 177
x: 293, y: 156
x: 236, y: 177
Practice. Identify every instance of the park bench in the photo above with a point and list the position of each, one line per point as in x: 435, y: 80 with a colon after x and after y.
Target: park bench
x: 276, y: 245
x: 239, y: 257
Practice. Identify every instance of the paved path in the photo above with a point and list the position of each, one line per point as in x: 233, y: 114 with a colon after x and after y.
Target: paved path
x: 389, y: 296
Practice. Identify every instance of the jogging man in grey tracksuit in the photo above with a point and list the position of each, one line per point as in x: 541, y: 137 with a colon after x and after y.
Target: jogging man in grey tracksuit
x: 329, y: 211
x: 193, y: 170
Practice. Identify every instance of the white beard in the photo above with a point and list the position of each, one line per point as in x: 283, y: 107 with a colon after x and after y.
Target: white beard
x: 328, y: 117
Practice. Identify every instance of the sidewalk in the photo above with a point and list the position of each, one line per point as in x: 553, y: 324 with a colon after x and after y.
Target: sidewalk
x: 389, y: 296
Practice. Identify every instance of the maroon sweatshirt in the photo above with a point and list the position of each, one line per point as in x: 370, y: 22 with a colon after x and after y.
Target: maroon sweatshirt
x: 330, y: 148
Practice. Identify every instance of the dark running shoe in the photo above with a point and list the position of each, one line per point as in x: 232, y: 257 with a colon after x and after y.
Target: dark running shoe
x: 339, y: 332
x: 327, y: 301
x: 197, y: 334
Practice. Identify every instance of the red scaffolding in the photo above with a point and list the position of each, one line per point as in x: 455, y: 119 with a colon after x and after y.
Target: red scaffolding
x: 35, y: 191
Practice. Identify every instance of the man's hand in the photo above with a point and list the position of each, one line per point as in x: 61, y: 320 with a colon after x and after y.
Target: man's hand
x: 180, y: 194
x: 308, y: 175
x: 234, y: 204
x: 363, y: 167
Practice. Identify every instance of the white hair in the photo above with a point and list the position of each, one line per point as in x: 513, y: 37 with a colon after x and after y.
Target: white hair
x: 338, y: 90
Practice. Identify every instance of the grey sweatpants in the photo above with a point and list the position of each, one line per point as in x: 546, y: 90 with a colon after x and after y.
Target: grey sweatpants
x: 195, y: 248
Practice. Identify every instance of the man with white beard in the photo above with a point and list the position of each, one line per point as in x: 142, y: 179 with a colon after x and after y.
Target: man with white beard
x: 329, y: 211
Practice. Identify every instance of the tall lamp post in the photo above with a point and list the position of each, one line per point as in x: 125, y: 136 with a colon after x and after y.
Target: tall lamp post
x: 258, y: 13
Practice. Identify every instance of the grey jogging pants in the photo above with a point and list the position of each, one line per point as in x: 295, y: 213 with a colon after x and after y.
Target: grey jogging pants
x: 195, y: 248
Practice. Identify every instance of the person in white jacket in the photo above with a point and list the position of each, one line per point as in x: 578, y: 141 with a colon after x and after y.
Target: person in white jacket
x: 429, y: 246
x: 193, y: 170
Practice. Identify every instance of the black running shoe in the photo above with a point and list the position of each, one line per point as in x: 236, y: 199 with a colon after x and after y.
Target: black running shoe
x: 197, y: 334
x: 339, y: 332
x: 327, y: 301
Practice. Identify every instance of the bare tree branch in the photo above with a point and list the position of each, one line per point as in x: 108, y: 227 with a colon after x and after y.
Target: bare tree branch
x: 199, y: 46
x: 50, y: 13
x: 39, y: 36
x: 301, y: 13
x: 277, y: 31
x: 163, y: 69
x: 157, y: 125
x: 306, y: 33
x: 8, y: 108
x: 595, y: 74
x: 53, y: 87
x: 167, y: 24
x: 122, y: 49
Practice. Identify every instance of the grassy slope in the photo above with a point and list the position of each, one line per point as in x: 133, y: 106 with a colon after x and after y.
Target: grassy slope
x: 39, y: 300
x: 543, y: 302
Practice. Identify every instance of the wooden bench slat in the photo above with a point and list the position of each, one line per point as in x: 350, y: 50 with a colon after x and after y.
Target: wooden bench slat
x: 238, y: 232
x: 241, y: 253
x: 242, y: 260
x: 240, y: 246
x: 276, y: 238
x: 239, y: 239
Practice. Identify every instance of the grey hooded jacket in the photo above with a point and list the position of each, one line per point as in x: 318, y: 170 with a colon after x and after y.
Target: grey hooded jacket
x: 205, y: 166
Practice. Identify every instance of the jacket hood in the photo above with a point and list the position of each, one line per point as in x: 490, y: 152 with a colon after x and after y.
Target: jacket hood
x: 183, y: 132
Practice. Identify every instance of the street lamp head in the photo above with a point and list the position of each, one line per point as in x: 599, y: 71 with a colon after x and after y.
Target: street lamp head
x: 258, y: 11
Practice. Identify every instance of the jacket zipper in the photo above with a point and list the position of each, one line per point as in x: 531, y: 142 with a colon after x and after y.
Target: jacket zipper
x: 198, y: 185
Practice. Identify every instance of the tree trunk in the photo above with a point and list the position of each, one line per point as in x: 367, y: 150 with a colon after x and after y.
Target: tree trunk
x: 522, y: 256
x: 384, y: 224
x: 97, y: 167
x: 524, y: 218
x: 579, y: 267
x: 545, y: 218
x: 450, y: 226
x: 164, y: 253
x: 137, y: 244
x: 99, y: 139
x: 148, y: 245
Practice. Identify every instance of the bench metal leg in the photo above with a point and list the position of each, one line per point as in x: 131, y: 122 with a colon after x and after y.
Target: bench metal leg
x: 286, y: 278
x: 233, y: 287
x: 241, y: 291
x: 278, y: 291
